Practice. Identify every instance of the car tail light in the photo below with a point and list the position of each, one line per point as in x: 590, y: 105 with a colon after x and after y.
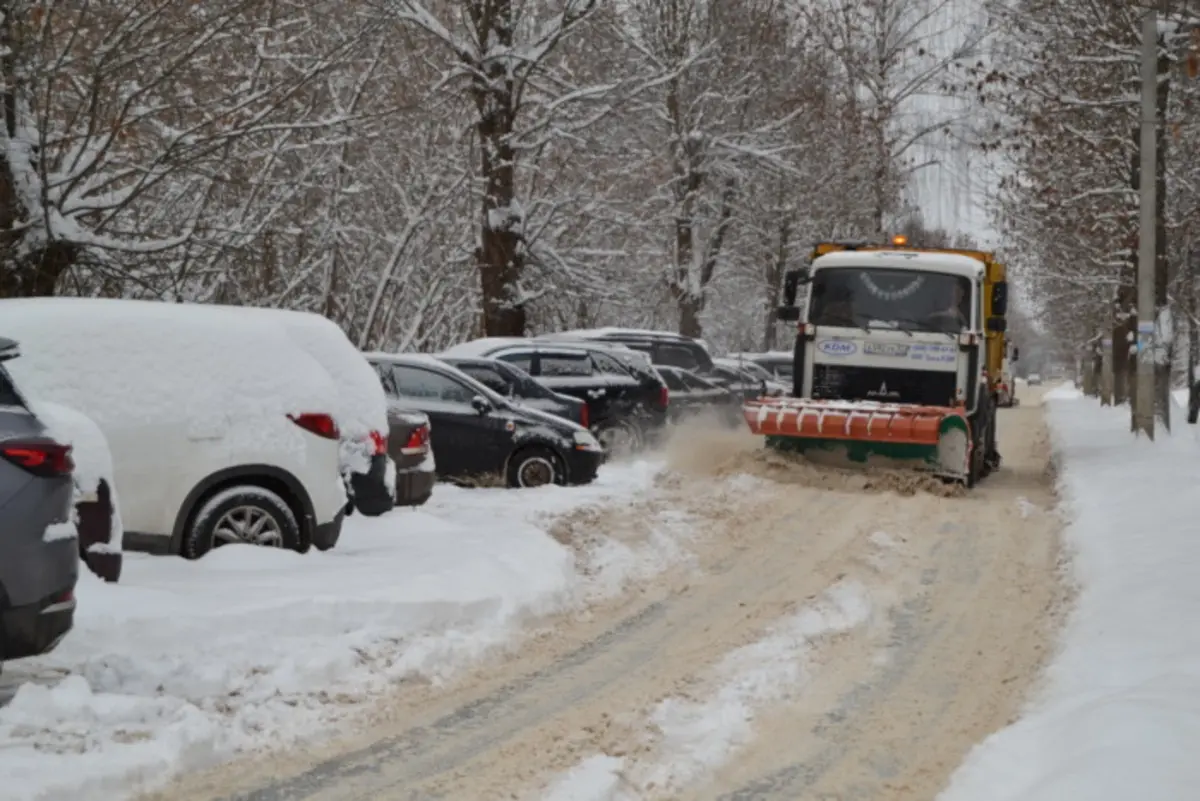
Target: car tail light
x: 418, y: 441
x: 379, y: 441
x: 323, y: 425
x: 664, y: 397
x: 41, y: 457
x: 584, y: 416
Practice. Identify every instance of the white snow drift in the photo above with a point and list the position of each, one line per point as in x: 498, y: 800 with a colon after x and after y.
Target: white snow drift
x: 185, y: 663
x: 1119, y: 715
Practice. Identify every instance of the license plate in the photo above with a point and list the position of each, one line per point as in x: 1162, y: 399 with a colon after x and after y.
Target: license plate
x: 885, y: 349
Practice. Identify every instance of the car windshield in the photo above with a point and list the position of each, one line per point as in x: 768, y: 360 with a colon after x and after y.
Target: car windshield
x: 754, y: 370
x: 877, y: 297
x: 527, y: 385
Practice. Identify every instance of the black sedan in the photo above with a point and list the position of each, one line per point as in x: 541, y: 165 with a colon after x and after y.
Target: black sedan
x: 512, y: 382
x: 476, y: 433
x: 693, y: 395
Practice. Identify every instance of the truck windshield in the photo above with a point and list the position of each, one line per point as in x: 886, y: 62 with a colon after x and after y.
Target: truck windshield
x: 877, y: 297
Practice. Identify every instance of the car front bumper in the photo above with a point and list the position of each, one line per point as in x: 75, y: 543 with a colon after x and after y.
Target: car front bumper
x: 582, y: 466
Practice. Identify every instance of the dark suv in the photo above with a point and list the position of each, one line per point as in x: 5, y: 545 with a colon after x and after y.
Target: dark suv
x: 39, y: 549
x: 663, y: 347
x: 627, y: 400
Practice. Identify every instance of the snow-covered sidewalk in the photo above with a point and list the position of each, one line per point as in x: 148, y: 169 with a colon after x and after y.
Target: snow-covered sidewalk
x: 183, y: 663
x: 1118, y: 717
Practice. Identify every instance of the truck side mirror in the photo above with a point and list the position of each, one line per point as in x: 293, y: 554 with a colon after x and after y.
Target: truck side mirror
x: 788, y: 314
x: 1000, y: 299
x: 792, y: 280
x: 999, y: 324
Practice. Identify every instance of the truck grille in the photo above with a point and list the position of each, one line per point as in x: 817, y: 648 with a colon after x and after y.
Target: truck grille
x: 927, y: 388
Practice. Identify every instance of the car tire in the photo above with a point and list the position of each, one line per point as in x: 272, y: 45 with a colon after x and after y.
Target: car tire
x: 535, y: 467
x: 618, y: 437
x: 257, y: 512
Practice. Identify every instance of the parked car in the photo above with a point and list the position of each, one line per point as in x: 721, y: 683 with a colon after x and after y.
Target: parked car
x: 1034, y: 380
x: 221, y: 428
x: 693, y: 395
x: 510, y: 381
x: 737, y: 380
x: 361, y: 413
x: 664, y: 347
x: 778, y: 362
x: 39, y: 552
x: 97, y: 504
x: 756, y: 372
x: 627, y: 400
x: 476, y: 433
x: 411, y: 454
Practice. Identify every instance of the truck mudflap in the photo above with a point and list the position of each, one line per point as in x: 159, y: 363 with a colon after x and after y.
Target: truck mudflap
x: 933, y: 439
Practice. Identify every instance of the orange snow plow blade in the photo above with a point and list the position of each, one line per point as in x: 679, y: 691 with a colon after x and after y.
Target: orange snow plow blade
x: 935, y: 439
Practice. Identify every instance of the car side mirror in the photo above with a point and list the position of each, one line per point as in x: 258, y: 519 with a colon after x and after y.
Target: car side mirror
x: 480, y: 404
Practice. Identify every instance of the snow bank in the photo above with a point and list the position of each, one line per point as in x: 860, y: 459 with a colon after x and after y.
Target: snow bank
x: 185, y: 663
x: 1119, y: 715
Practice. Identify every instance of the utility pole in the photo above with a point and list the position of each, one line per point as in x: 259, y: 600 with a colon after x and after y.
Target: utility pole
x: 1143, y: 401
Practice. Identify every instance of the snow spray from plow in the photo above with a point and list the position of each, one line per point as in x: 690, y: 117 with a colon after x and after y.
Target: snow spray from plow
x: 932, y: 439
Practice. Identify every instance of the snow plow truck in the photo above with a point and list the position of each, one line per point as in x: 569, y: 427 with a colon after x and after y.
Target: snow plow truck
x: 897, y: 359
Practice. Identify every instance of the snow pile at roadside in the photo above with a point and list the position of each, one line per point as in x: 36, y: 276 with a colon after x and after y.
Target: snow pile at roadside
x: 697, y: 736
x: 1118, y: 717
x: 184, y: 663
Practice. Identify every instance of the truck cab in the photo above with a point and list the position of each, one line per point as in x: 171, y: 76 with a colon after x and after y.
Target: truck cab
x: 901, y: 326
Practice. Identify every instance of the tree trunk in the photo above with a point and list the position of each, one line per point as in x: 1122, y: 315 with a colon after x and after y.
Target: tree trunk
x: 37, y: 274
x: 1189, y: 301
x: 1124, y: 327
x: 1162, y: 368
x: 500, y: 255
x: 774, y: 279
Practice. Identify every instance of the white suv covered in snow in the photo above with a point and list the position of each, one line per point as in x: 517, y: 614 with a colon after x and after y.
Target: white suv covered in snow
x: 221, y: 427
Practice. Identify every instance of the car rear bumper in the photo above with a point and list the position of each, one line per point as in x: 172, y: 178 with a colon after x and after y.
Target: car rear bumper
x: 413, y: 487
x: 36, y: 629
x: 582, y: 466
x: 372, y: 495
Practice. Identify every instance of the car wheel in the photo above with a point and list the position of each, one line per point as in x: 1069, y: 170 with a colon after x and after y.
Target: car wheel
x: 535, y: 467
x: 618, y: 437
x: 245, y: 514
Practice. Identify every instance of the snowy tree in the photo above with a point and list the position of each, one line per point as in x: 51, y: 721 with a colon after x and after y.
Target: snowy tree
x: 124, y: 119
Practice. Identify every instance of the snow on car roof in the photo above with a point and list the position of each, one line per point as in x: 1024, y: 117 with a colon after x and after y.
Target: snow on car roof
x: 363, y: 405
x: 480, y: 348
x: 609, y: 331
x: 147, y: 362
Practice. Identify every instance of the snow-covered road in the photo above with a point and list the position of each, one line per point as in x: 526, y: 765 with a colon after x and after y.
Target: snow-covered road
x: 810, y: 635
x: 185, y: 664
